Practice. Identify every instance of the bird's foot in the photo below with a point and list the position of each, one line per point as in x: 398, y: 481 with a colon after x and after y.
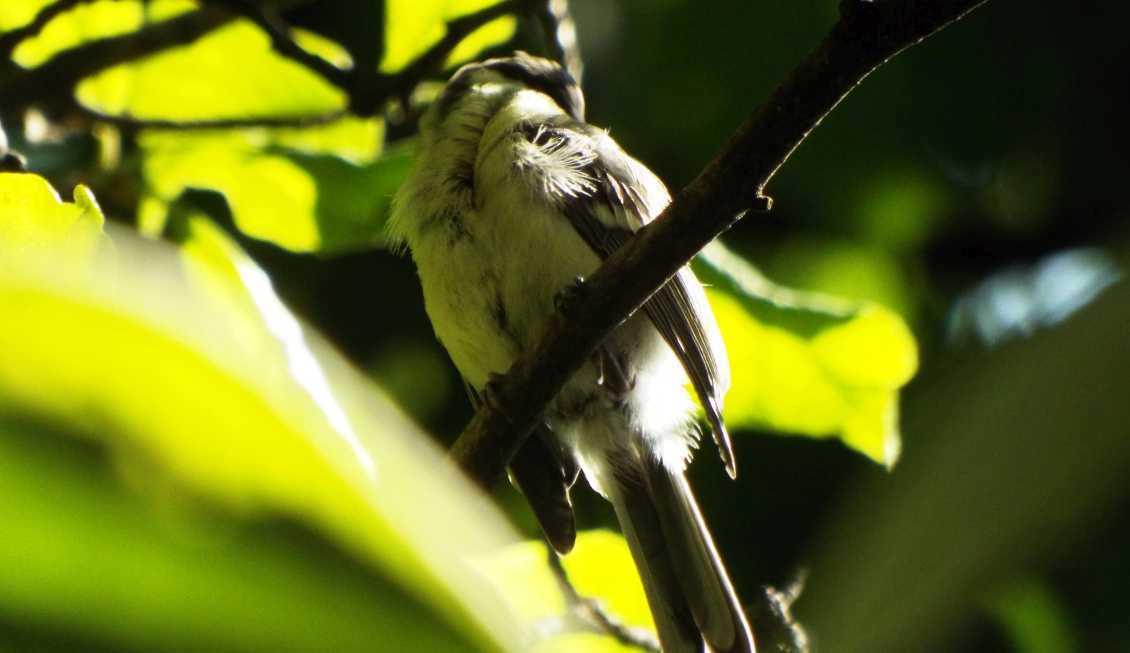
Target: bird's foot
x: 569, y: 294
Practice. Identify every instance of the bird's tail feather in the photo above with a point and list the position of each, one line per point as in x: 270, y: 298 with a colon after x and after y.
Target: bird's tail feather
x: 687, y: 587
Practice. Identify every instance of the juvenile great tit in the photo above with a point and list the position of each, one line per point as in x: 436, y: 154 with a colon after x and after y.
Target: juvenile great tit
x: 513, y: 197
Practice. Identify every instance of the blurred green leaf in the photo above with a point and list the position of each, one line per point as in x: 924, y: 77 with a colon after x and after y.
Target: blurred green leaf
x: 416, y: 25
x: 1034, y: 619
x: 844, y: 268
x: 600, y: 567
x: 86, y: 558
x: 901, y: 208
x: 287, y: 186
x: 1020, y: 454
x: 806, y: 363
x: 187, y: 361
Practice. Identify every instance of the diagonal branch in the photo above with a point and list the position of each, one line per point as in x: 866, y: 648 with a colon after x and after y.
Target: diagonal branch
x: 867, y: 34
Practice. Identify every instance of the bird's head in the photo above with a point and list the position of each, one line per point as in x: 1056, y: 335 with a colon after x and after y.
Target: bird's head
x: 521, y: 71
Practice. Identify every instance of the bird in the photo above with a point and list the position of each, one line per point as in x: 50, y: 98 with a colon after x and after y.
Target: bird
x: 513, y: 199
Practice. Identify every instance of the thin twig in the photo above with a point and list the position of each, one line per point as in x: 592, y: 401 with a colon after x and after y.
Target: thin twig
x: 561, y: 35
x: 593, y: 615
x: 866, y: 35
x: 132, y: 123
x: 11, y: 39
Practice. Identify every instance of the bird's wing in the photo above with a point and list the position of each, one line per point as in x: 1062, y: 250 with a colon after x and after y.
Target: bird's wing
x: 615, y: 196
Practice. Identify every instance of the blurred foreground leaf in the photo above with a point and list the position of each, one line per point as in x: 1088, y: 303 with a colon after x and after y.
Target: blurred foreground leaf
x: 36, y: 223
x: 187, y: 364
x: 809, y: 364
x: 1020, y: 452
x: 90, y: 565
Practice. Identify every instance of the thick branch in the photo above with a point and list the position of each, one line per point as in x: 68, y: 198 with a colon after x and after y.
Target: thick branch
x: 867, y: 34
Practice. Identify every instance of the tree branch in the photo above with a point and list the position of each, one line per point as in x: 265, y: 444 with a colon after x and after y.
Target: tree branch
x: 132, y: 123
x: 866, y: 35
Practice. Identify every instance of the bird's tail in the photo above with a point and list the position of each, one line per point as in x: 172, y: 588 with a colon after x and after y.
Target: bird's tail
x: 690, y: 594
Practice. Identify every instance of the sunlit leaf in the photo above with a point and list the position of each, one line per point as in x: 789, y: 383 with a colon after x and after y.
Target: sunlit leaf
x: 229, y: 73
x: 16, y: 13
x: 187, y: 361
x: 85, y: 22
x: 287, y: 186
x: 193, y: 82
x: 599, y: 567
x: 414, y: 26
x: 809, y: 364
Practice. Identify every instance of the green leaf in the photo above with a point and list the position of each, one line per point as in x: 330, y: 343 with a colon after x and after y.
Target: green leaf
x: 88, y: 558
x: 600, y: 566
x: 416, y: 25
x: 809, y: 364
x: 185, y: 362
x: 1034, y: 618
x: 17, y: 13
x: 229, y: 73
x: 193, y: 82
x: 85, y: 22
x: 290, y: 187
